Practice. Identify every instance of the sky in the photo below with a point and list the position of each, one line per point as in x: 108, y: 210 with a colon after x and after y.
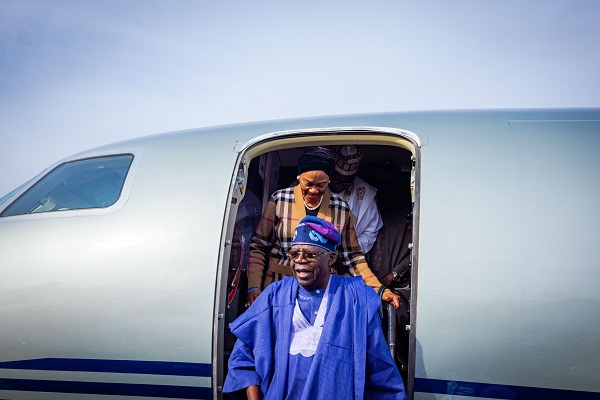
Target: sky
x: 78, y: 74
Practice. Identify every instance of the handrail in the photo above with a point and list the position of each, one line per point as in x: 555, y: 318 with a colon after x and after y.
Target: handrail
x: 391, y: 328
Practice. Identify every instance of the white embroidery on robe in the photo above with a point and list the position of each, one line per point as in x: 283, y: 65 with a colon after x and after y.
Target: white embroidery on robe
x: 306, y: 337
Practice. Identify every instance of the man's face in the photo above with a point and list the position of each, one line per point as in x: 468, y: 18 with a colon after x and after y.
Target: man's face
x: 339, y: 182
x: 311, y: 265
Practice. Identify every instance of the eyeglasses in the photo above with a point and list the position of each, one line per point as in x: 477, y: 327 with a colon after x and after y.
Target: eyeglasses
x: 308, y: 255
x: 335, y: 183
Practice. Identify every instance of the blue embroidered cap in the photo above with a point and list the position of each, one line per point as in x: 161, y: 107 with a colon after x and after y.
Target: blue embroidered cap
x: 315, y: 231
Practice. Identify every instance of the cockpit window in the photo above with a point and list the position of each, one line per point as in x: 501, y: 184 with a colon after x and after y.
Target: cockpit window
x: 75, y: 185
x: 10, y: 194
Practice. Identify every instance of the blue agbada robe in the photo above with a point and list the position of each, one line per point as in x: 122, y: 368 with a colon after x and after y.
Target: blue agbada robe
x: 352, y: 360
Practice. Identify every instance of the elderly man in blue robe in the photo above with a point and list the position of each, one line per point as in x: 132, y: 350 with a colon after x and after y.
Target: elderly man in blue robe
x: 314, y: 335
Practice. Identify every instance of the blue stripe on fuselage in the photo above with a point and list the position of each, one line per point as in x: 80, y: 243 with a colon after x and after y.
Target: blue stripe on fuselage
x: 115, y: 389
x: 494, y: 391
x: 107, y: 388
x: 115, y: 366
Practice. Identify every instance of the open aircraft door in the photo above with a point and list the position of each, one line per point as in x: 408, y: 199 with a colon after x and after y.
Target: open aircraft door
x: 390, y: 163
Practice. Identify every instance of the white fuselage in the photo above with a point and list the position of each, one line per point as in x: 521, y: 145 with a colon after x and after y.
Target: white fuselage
x: 129, y: 299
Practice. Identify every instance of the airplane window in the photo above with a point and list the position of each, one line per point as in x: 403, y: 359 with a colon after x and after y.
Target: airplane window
x: 89, y: 183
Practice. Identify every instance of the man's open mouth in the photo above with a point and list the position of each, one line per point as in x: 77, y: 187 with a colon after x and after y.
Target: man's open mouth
x: 303, y: 272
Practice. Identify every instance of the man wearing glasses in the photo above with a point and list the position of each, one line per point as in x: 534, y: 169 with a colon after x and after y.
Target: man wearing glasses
x: 314, y: 335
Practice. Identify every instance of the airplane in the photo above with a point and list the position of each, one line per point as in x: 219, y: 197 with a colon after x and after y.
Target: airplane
x: 121, y: 266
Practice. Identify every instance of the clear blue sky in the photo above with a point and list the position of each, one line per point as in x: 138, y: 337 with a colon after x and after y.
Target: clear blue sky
x: 77, y: 74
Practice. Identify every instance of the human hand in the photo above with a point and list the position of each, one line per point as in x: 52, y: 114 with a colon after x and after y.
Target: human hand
x: 252, y: 296
x: 394, y: 298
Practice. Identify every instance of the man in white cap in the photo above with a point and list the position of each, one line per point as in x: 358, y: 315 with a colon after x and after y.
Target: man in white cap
x: 359, y: 195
